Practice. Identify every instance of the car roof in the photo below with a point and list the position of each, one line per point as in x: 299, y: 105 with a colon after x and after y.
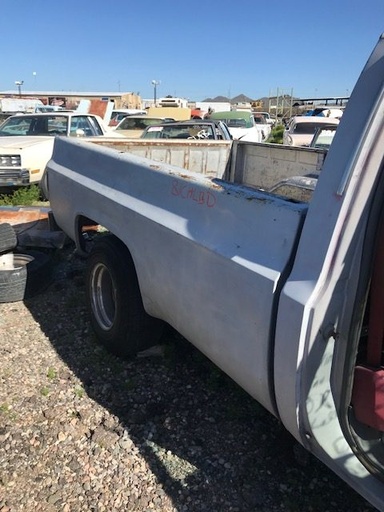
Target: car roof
x: 232, y: 114
x: 145, y: 116
x: 315, y: 119
x: 136, y: 111
x: 65, y: 113
x: 328, y: 126
x: 142, y: 116
x: 195, y: 121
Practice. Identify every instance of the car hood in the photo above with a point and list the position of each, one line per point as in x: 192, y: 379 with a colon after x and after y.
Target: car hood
x: 246, y: 134
x: 23, y: 141
x: 301, y: 139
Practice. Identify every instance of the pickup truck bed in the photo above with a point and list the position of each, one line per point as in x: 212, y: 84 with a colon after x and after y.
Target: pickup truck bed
x: 259, y: 165
x: 283, y: 292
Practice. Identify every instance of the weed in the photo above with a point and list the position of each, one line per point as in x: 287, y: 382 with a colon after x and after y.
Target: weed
x: 51, y: 373
x: 276, y: 135
x: 79, y: 392
x: 129, y: 384
x: 215, y: 379
x: 44, y: 391
x: 23, y: 196
x: 8, y: 411
x: 4, y: 408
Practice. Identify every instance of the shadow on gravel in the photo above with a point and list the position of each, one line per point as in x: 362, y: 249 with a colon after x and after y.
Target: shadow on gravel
x: 210, y: 446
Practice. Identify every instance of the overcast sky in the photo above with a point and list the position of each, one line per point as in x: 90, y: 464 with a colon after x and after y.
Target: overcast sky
x: 193, y: 49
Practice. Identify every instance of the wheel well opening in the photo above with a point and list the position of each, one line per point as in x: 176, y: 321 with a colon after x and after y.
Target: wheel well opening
x: 86, y: 230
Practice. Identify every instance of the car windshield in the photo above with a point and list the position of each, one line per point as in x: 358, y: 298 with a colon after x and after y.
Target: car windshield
x: 135, y: 123
x: 34, y: 125
x: 192, y: 131
x: 259, y: 119
x: 238, y: 123
x: 235, y: 119
x: 305, y: 128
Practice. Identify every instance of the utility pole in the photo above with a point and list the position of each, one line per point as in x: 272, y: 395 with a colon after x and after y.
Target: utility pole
x: 155, y: 83
x: 19, y: 83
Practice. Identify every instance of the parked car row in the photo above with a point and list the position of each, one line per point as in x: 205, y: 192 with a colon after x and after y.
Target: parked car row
x: 244, y: 125
x: 26, y: 140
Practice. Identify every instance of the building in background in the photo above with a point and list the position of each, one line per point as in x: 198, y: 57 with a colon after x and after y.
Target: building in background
x: 71, y: 99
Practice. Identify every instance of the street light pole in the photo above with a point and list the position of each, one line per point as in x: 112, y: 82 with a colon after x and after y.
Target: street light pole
x: 19, y: 83
x: 155, y: 83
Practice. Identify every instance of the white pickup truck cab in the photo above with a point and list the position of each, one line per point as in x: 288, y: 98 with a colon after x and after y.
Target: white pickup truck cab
x: 284, y: 292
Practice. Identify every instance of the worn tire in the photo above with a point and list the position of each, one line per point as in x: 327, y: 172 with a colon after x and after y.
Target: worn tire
x: 8, y: 238
x: 13, y: 281
x: 39, y: 272
x: 32, y: 273
x: 114, y: 301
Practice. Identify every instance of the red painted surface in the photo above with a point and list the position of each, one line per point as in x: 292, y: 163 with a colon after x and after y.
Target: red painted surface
x: 368, y: 397
x: 368, y: 386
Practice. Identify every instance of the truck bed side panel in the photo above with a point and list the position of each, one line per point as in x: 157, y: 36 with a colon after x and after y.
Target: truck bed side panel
x: 188, y: 154
x: 209, y: 255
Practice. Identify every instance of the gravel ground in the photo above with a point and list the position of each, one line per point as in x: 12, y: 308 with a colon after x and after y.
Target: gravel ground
x: 81, y: 430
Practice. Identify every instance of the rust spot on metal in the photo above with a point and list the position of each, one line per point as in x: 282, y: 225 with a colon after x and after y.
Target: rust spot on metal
x: 216, y: 186
x: 15, y: 216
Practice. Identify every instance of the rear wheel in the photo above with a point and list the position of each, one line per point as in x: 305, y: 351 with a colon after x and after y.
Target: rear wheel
x: 114, y: 301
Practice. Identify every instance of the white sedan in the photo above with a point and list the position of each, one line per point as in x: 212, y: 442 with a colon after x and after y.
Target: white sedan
x: 301, y: 129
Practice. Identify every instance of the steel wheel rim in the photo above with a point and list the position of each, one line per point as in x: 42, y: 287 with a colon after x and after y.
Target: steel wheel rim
x: 103, y: 297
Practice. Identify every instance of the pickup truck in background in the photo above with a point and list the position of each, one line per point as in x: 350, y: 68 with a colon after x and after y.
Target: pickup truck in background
x: 284, y: 291
x: 26, y: 142
x: 14, y: 105
x: 242, y: 125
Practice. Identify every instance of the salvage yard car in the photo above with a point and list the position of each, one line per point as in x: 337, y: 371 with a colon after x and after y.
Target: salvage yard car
x: 263, y: 125
x: 118, y: 115
x: 62, y: 123
x: 301, y: 129
x: 241, y: 124
x: 26, y: 142
x: 134, y: 126
x: 193, y: 129
x: 323, y: 137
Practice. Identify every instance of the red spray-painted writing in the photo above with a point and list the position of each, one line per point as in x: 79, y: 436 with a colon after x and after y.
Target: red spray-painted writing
x: 203, y: 197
